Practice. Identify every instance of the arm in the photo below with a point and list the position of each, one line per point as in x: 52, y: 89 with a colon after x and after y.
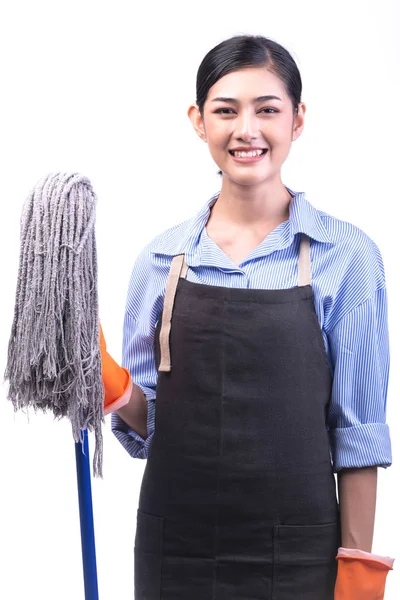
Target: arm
x: 356, y: 416
x: 121, y: 395
x: 361, y: 575
x: 134, y: 414
x: 357, y: 501
x: 360, y: 442
x: 133, y: 424
x: 359, y: 436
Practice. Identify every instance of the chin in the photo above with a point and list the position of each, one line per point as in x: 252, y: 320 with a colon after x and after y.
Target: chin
x: 247, y: 178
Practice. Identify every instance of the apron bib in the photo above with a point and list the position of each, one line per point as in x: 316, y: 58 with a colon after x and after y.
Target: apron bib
x: 238, y: 497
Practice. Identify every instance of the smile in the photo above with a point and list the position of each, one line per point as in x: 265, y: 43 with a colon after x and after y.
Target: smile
x: 242, y: 156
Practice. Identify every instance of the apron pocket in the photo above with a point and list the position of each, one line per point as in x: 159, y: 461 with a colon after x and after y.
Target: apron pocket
x: 148, y: 556
x: 305, y: 561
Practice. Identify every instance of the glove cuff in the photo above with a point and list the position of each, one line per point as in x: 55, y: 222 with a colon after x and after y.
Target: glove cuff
x: 348, y: 553
x: 122, y: 400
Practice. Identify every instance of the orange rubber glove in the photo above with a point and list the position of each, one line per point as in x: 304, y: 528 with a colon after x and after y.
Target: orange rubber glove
x: 361, y: 575
x: 117, y: 380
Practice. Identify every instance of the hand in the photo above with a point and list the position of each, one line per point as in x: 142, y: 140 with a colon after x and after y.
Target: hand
x: 361, y: 575
x: 117, y: 380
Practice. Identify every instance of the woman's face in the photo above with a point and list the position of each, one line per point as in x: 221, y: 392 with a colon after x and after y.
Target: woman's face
x: 238, y: 115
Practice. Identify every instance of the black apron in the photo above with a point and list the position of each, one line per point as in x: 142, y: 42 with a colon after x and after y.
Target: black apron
x: 238, y: 497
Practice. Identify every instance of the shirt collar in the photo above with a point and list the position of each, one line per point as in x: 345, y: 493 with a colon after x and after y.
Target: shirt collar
x: 303, y: 218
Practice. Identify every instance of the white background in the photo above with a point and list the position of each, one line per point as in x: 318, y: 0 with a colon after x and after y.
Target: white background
x: 102, y: 88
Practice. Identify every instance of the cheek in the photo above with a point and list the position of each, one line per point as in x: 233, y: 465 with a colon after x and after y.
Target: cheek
x: 218, y: 131
x: 278, y: 132
x: 219, y: 134
x: 280, y: 145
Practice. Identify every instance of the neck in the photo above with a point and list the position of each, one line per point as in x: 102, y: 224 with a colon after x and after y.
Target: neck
x: 247, y: 205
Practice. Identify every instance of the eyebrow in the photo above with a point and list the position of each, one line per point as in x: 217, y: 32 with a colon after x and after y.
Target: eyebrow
x: 235, y: 101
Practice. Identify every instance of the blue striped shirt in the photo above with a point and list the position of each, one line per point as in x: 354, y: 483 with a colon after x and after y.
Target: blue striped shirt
x: 348, y: 281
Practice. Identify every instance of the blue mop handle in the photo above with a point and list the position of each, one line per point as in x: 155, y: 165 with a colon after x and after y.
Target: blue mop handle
x: 86, y: 518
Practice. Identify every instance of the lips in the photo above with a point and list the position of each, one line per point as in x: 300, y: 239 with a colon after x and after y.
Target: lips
x: 232, y: 152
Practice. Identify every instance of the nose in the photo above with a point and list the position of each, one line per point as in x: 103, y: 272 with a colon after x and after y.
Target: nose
x: 247, y: 126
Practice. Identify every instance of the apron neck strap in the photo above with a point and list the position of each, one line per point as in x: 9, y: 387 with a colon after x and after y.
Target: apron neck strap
x: 304, y: 263
x: 178, y: 269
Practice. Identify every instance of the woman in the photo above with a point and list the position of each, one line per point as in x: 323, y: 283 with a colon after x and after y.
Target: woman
x: 260, y: 326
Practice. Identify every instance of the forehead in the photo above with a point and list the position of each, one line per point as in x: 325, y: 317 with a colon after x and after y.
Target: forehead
x: 249, y: 83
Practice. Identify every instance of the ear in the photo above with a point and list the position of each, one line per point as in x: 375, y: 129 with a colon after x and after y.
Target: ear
x: 197, y: 121
x: 298, y: 121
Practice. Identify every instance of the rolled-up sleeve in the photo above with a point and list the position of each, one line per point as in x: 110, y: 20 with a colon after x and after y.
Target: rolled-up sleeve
x: 133, y: 443
x: 142, y: 309
x: 356, y: 418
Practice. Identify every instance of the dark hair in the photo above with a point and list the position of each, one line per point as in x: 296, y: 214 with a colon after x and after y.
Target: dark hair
x: 244, y: 51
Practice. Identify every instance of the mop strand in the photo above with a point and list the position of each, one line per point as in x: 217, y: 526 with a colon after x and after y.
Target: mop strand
x: 54, y: 361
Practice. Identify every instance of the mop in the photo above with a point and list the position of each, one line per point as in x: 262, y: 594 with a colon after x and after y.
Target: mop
x: 54, y: 360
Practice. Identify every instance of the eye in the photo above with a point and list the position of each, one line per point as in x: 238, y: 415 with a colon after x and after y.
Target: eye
x: 227, y: 111
x: 223, y: 111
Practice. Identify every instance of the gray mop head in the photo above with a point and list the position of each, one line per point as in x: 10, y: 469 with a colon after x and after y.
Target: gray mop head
x: 54, y: 361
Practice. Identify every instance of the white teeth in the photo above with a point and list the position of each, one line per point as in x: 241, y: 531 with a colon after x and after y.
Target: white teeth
x: 248, y: 154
